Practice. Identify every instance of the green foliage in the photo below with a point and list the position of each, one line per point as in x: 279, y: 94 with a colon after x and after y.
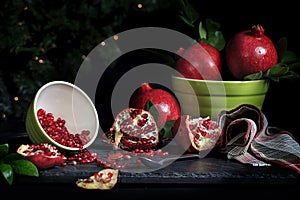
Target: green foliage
x: 210, y: 32
x: 11, y: 162
x: 42, y: 41
x: 207, y: 29
x: 187, y: 13
x: 284, y: 69
x: 165, y: 131
x: 149, y: 106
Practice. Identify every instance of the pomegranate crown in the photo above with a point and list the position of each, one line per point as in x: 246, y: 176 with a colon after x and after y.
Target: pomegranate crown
x: 258, y: 30
x: 145, y: 87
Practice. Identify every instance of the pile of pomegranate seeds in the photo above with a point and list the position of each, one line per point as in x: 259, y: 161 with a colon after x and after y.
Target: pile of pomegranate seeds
x: 114, y: 159
x: 57, y: 130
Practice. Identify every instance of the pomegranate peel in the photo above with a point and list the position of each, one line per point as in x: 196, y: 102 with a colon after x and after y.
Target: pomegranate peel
x: 42, y: 155
x: 134, y: 129
x: 250, y: 51
x: 197, y: 134
x: 201, y: 61
x: 165, y: 103
x: 105, y: 179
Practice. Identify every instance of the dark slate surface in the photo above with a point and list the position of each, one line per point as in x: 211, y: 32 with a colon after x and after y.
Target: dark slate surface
x: 210, y: 170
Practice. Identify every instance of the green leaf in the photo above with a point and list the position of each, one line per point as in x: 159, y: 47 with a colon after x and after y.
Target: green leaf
x: 277, y: 70
x: 7, y: 172
x: 295, y: 65
x: 187, y: 21
x: 291, y: 75
x: 165, y: 131
x: 149, y: 106
x: 281, y: 47
x: 289, y: 57
x: 286, y: 57
x: 202, y: 32
x: 210, y: 32
x: 254, y: 76
x: 217, y: 40
x: 4, y: 150
x: 188, y: 14
x: 275, y: 73
x: 9, y: 158
x: 25, y: 167
x: 280, y: 71
x: 212, y: 26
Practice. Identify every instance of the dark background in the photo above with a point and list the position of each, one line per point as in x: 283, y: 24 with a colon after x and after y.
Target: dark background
x: 279, y: 19
x: 281, y: 105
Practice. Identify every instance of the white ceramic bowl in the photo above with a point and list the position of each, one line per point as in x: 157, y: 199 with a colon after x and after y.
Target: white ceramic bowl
x: 67, y: 101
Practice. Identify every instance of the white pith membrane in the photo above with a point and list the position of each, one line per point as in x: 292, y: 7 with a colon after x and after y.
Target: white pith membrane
x: 134, y: 129
x: 43, y: 155
x: 202, y: 133
x: 105, y: 179
x: 43, y: 148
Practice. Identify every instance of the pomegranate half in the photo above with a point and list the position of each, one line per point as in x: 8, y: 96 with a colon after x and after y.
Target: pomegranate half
x: 197, y: 134
x: 43, y: 155
x: 134, y: 129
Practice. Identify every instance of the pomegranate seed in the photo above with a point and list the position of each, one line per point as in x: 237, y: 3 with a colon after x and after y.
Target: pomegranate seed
x: 57, y: 131
x: 138, y: 161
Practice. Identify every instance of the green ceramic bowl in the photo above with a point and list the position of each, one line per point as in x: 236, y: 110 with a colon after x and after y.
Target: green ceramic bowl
x: 208, y: 98
x: 67, y: 101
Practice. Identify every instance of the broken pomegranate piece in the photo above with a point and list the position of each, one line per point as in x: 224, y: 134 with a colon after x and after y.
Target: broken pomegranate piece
x: 105, y: 179
x: 134, y: 129
x: 197, y: 134
x: 43, y: 155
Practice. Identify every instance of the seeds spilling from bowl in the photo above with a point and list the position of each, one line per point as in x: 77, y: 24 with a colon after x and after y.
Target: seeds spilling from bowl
x: 57, y: 130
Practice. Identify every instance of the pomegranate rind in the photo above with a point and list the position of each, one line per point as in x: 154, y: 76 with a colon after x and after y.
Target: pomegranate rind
x: 41, y: 160
x: 165, y: 103
x: 115, y: 134
x: 250, y: 51
x: 109, y: 178
x: 200, y: 61
x: 185, y: 137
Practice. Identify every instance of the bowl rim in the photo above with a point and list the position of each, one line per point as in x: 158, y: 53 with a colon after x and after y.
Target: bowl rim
x: 221, y: 81
x: 51, y: 83
x: 223, y: 88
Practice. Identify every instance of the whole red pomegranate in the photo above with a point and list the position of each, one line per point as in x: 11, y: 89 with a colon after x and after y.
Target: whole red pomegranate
x: 250, y: 51
x: 200, y: 61
x: 166, y: 104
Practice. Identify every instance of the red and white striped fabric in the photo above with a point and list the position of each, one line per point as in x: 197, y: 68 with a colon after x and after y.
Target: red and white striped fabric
x: 248, y: 138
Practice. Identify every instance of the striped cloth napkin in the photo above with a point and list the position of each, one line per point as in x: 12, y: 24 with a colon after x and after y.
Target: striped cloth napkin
x: 249, y: 139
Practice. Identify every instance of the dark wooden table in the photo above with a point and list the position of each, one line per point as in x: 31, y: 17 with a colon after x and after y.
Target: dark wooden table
x: 207, y: 177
